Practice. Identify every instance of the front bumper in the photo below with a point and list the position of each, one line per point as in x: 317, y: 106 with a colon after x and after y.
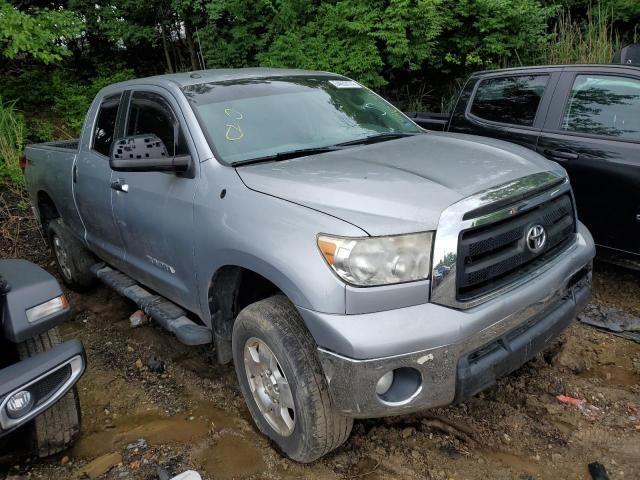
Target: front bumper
x: 464, y: 351
x: 47, y: 377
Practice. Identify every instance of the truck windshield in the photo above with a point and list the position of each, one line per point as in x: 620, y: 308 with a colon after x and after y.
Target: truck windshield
x: 265, y: 118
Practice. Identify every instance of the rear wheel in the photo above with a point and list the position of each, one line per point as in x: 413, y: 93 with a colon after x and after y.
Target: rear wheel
x: 73, y: 259
x: 57, y: 428
x: 282, y: 381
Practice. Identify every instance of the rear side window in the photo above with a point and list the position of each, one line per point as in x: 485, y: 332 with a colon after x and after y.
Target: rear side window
x: 149, y: 113
x: 104, y: 130
x: 512, y: 100
x: 604, y: 105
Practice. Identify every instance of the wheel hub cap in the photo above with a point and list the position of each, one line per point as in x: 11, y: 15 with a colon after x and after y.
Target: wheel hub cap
x: 61, y: 256
x: 269, y: 386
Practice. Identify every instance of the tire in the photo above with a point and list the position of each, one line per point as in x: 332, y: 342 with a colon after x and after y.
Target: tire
x: 317, y: 428
x: 73, y: 259
x: 57, y: 428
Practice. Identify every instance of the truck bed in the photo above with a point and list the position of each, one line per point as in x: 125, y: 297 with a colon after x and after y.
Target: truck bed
x: 72, y: 144
x: 49, y: 175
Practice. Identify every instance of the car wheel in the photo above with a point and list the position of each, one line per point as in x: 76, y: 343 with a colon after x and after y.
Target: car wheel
x: 55, y: 429
x: 282, y: 381
x: 73, y: 259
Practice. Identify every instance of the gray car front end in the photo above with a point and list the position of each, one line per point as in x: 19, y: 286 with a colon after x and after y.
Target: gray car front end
x: 405, y: 347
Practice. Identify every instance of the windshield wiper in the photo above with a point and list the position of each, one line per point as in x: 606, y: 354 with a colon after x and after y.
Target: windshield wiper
x: 378, y: 137
x: 303, y: 152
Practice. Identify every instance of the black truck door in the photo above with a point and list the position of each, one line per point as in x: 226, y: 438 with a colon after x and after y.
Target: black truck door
x: 593, y: 131
x: 509, y: 106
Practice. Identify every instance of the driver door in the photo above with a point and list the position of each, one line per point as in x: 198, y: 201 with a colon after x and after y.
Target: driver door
x: 154, y: 212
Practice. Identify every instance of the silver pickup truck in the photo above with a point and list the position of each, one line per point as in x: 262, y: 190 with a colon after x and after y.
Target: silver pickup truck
x: 349, y: 263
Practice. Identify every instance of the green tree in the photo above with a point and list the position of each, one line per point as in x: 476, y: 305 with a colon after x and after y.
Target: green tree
x: 494, y: 33
x: 42, y: 33
x: 367, y: 40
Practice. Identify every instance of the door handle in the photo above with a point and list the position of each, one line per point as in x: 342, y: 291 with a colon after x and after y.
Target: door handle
x: 561, y: 155
x: 120, y: 186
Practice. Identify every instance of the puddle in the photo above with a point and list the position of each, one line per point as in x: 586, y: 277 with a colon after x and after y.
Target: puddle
x: 231, y: 457
x: 153, y: 427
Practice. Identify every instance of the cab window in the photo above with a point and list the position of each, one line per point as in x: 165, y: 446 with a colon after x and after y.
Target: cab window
x: 604, y: 105
x: 149, y: 113
x: 512, y: 100
x: 104, y: 129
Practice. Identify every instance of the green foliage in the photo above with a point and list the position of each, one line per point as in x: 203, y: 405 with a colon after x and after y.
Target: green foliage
x: 593, y: 41
x: 237, y: 31
x: 42, y: 33
x: 359, y: 38
x: 376, y: 41
x: 494, y: 33
x: 42, y: 130
x: 418, y: 52
x: 72, y: 98
x: 12, y: 135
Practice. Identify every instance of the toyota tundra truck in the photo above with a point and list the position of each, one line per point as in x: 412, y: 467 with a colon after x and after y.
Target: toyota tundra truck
x: 349, y: 263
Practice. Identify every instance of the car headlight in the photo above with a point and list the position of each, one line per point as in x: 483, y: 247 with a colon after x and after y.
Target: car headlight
x: 370, y: 261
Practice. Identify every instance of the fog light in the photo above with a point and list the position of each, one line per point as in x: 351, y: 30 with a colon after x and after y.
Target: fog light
x: 19, y: 404
x: 384, y: 384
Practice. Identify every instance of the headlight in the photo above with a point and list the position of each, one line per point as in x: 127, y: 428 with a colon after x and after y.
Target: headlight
x: 55, y: 305
x: 373, y: 261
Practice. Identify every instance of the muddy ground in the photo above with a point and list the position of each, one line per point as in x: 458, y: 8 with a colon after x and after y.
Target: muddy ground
x: 187, y: 413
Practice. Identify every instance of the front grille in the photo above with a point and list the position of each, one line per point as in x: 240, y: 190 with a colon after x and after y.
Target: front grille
x: 49, y: 385
x: 493, y: 256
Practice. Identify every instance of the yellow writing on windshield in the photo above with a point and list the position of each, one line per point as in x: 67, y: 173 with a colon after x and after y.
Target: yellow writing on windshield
x: 234, y: 130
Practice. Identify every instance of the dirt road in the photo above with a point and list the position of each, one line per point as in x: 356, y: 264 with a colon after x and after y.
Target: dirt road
x: 147, y: 401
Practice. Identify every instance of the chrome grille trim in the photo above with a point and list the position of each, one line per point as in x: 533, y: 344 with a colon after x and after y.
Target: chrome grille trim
x: 452, y: 223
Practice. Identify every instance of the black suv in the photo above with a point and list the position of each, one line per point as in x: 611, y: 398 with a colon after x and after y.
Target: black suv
x: 586, y: 118
x: 38, y: 372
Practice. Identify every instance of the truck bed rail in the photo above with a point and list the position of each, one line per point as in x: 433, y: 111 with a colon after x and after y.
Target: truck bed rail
x: 72, y: 144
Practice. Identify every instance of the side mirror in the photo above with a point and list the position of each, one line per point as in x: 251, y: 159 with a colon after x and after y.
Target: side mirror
x: 145, y: 153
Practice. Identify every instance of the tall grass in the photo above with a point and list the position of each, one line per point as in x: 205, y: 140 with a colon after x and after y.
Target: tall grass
x: 592, y: 41
x: 12, y: 138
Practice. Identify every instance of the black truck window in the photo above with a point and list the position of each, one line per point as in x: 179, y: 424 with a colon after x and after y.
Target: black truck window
x: 149, y: 113
x: 103, y: 131
x: 512, y: 100
x: 604, y: 105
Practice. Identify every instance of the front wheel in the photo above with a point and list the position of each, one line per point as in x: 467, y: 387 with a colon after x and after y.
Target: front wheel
x: 282, y: 381
x: 55, y: 429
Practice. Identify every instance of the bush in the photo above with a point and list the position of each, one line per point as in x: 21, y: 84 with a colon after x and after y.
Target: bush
x: 592, y: 41
x: 12, y: 134
x: 72, y: 97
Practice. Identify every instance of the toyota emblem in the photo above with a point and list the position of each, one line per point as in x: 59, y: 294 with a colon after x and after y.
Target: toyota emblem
x: 536, y: 238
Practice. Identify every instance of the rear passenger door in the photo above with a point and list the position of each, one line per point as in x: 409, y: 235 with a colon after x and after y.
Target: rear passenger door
x: 508, y: 106
x: 593, y: 131
x: 92, y: 180
x: 155, y: 213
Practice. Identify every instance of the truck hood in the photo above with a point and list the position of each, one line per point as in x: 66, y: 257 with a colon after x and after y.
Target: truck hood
x: 398, y: 186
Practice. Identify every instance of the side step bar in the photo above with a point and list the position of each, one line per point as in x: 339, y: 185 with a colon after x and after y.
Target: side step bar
x: 166, y: 313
